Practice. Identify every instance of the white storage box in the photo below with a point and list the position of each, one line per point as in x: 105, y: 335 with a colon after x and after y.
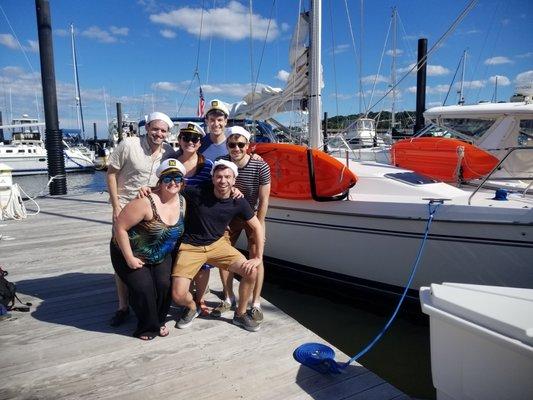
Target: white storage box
x: 481, y: 341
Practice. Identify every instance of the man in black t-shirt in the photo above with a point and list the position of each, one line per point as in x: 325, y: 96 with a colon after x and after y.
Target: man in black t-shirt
x: 210, y: 208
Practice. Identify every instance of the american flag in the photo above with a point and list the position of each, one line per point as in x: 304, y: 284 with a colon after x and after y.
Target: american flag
x: 201, y: 104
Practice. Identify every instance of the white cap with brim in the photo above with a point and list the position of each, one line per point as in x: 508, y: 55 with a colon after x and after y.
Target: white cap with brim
x: 238, y: 130
x: 191, y: 127
x: 227, y: 164
x: 169, y: 166
x: 160, y: 116
x: 217, y: 105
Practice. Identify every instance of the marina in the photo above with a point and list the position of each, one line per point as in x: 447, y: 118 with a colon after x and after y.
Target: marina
x: 64, y: 348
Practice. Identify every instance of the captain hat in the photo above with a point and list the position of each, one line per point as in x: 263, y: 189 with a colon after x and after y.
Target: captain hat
x: 226, y: 163
x: 238, y: 130
x: 216, y: 104
x: 192, y: 127
x: 169, y: 166
x: 160, y: 116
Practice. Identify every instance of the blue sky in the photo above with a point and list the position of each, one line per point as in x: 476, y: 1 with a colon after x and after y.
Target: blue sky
x: 143, y: 52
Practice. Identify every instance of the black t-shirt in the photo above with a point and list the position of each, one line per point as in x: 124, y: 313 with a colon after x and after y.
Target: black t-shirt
x: 207, y: 216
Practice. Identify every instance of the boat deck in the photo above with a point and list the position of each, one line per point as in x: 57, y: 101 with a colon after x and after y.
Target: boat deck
x: 65, y: 349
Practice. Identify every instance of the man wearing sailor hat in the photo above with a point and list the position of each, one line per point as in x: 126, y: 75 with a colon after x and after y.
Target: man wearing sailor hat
x: 133, y: 165
x: 216, y: 119
x: 210, y: 208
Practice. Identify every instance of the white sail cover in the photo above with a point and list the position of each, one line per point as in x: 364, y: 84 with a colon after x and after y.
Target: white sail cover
x: 270, y: 101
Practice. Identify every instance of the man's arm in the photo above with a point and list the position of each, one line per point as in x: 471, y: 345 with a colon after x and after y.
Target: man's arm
x: 112, y: 188
x: 256, y: 252
x: 262, y: 208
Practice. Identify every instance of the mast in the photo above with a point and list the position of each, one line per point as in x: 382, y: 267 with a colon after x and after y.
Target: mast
x: 315, y: 56
x: 393, y: 70
x: 461, y: 97
x: 79, y: 111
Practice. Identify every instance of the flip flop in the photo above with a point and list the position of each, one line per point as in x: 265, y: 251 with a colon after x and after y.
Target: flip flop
x: 165, y: 332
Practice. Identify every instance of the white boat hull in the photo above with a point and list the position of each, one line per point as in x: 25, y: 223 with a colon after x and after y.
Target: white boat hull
x: 373, y: 238
x: 33, y: 163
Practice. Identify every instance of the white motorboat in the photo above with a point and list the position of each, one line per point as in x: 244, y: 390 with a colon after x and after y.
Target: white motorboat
x: 481, y: 341
x: 371, y: 238
x: 26, y: 152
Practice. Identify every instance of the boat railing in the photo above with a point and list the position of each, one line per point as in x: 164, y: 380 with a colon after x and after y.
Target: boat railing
x: 510, y: 178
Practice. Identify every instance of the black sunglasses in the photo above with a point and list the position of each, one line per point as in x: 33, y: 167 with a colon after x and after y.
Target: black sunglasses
x: 187, y: 137
x: 232, y: 145
x: 169, y: 178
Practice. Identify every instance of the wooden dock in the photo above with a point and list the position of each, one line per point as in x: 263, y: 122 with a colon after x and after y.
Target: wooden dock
x: 64, y: 349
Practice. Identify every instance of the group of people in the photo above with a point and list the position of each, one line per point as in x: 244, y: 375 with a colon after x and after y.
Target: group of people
x: 178, y: 214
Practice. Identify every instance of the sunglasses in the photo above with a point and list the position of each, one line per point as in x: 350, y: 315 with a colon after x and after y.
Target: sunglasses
x: 241, y: 145
x: 169, y: 178
x: 187, y: 137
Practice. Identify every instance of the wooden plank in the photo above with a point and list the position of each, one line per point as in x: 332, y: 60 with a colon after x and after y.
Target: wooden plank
x: 65, y: 349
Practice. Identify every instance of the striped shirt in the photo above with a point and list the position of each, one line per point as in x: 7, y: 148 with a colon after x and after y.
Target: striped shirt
x: 254, y: 174
x: 201, y: 176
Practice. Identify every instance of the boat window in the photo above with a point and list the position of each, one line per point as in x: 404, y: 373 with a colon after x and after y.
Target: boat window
x: 525, y: 138
x: 21, y: 151
x: 411, y: 178
x: 9, y: 151
x: 469, y: 126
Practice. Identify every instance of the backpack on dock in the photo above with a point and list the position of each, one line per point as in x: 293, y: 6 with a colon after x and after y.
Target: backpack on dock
x: 8, y: 294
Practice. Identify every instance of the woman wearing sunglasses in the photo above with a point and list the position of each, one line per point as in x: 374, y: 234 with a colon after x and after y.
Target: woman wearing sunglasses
x: 146, y: 232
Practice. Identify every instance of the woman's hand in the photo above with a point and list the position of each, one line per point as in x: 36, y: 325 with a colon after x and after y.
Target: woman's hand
x: 236, y: 193
x: 135, y: 263
x: 144, y: 191
x: 250, y: 264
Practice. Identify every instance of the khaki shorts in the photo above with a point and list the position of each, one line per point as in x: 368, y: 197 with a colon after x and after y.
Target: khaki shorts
x: 190, y: 258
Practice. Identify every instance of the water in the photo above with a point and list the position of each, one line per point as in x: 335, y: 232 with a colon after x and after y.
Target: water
x: 402, y: 356
x: 77, y: 183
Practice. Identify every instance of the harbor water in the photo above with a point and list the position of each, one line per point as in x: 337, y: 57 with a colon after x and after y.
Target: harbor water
x: 402, y: 357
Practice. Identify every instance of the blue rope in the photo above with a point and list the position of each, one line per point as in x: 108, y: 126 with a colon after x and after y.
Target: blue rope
x: 321, y: 358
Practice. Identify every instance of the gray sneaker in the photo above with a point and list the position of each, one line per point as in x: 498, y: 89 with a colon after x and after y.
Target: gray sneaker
x: 187, y: 317
x: 223, y: 307
x: 257, y: 314
x: 246, y: 322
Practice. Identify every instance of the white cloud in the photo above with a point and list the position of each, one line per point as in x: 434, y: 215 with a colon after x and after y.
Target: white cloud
x: 524, y: 78
x: 502, y: 80
x: 412, y: 89
x: 431, y: 70
x: 103, y: 35
x: 474, y: 84
x: 370, y: 79
x: 341, y: 96
x: 167, y: 33
x: 119, y: 31
x: 99, y: 34
x: 285, y: 27
x: 399, y: 52
x: 434, y: 104
x: 33, y: 46
x: 231, y: 89
x: 230, y: 22
x: 165, y: 86
x: 8, y: 40
x: 282, y: 75
x: 525, y: 55
x: 497, y: 60
x: 61, y: 32
x: 341, y: 48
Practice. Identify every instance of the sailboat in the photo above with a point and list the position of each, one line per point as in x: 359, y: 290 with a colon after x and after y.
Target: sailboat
x: 370, y: 238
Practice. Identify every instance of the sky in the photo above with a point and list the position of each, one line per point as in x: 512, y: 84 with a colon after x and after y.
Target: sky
x: 144, y: 53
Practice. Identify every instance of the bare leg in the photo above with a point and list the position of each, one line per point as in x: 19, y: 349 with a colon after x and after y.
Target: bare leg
x: 227, y: 282
x: 258, y: 284
x: 201, y: 280
x: 246, y: 285
x: 122, y: 293
x: 181, y: 294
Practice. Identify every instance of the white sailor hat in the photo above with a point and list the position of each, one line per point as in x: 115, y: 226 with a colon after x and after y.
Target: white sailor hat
x: 226, y: 163
x: 191, y: 127
x: 160, y: 116
x: 217, y: 105
x: 169, y: 166
x: 238, y: 130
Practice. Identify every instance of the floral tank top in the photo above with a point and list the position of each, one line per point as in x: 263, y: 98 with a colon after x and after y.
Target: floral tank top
x: 152, y: 240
